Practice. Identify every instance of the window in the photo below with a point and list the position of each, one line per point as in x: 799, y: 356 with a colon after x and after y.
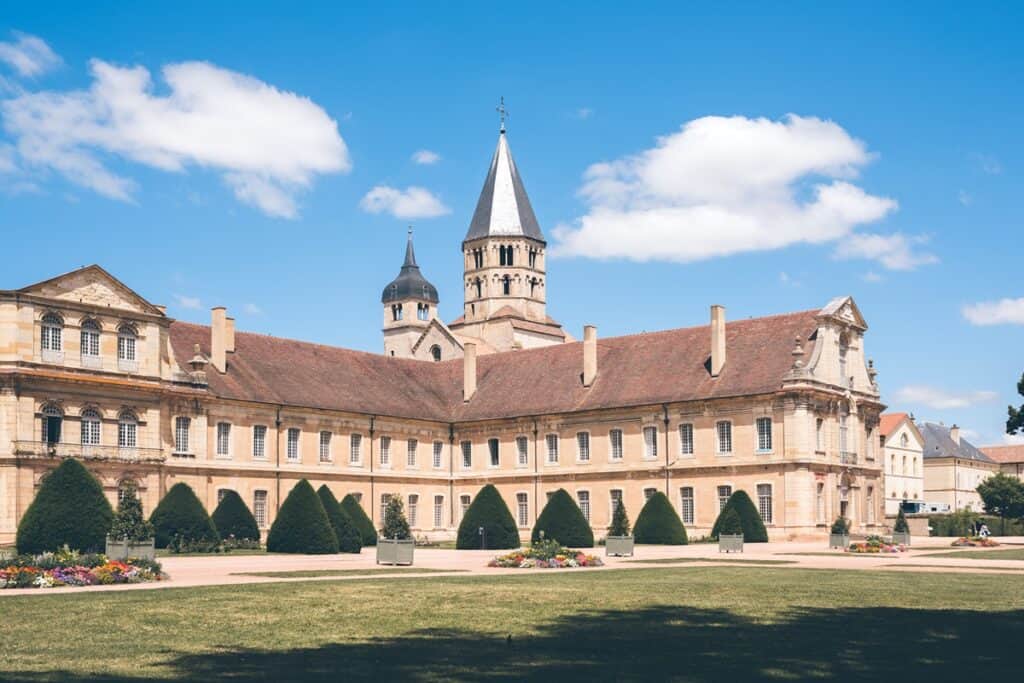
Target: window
x: 325, y: 446
x: 467, y: 453
x: 90, y: 428
x: 522, y: 509
x: 438, y: 452
x: 506, y: 285
x: 223, y: 438
x: 463, y: 504
x: 764, y: 434
x: 53, y: 420
x: 583, y: 446
x: 723, y: 430
x: 584, y: 499
x: 479, y: 288
x: 615, y: 500
x: 259, y: 508
x: 52, y: 341
x: 615, y: 442
x: 820, y: 499
x: 764, y: 502
x: 438, y: 512
x: 259, y: 441
x: 414, y: 503
x: 724, y: 493
x: 385, y: 452
x: 552, y: 443
x: 292, y: 446
x: 492, y: 450
x: 410, y: 452
x: 870, y: 501
x: 904, y: 470
x: 522, y: 451
x: 355, y: 442
x: 904, y: 440
x: 126, y: 338
x: 650, y: 442
x: 435, y: 352
x: 844, y: 435
x: 844, y: 347
x: 532, y: 257
x: 90, y: 342
x: 181, y: 430
x: 220, y: 495
x: 686, y: 504
x: 396, y: 311
x: 819, y: 434
x: 127, y: 430
x: 648, y: 492
x: 422, y: 312
x: 384, y: 499
x: 686, y: 439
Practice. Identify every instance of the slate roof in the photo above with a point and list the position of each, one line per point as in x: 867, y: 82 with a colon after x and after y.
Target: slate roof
x: 503, y: 208
x: 1005, y: 454
x: 938, y: 444
x: 410, y: 283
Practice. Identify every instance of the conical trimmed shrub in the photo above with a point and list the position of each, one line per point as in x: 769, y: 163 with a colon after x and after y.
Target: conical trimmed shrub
x: 69, y: 509
x: 396, y: 526
x: 344, y: 528
x: 367, y: 534
x: 730, y: 523
x: 488, y: 510
x: 233, y: 518
x: 901, y: 522
x: 753, y: 527
x: 562, y: 521
x: 620, y: 521
x: 181, y: 514
x: 302, y: 525
x: 658, y: 523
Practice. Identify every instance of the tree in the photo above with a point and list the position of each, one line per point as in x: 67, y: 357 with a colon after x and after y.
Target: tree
x: 1015, y: 416
x: 489, y: 512
x: 1002, y: 495
x: 181, y: 515
x: 900, y: 524
x: 367, y: 534
x: 729, y: 523
x: 562, y: 521
x: 129, y: 524
x: 750, y: 519
x: 395, y: 523
x: 69, y: 509
x: 344, y: 528
x: 233, y: 518
x: 658, y: 523
x: 302, y: 525
x: 620, y: 520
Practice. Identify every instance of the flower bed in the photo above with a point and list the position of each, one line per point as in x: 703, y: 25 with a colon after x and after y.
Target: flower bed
x: 974, y: 542
x: 545, y: 555
x: 875, y: 545
x: 71, y: 568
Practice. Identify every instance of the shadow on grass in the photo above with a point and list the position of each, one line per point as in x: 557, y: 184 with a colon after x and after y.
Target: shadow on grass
x: 655, y: 643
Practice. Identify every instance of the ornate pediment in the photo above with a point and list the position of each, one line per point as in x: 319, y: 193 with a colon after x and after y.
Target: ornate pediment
x: 92, y: 286
x: 844, y: 309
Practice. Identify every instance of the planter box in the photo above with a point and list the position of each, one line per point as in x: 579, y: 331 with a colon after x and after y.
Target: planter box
x: 619, y: 546
x: 123, y: 550
x: 730, y: 543
x: 839, y: 541
x: 393, y: 551
x: 901, y: 537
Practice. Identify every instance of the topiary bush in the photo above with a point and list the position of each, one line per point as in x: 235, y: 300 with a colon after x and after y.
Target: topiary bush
x: 620, y: 521
x: 367, y: 534
x: 302, y: 525
x: 658, y: 523
x: 561, y: 520
x: 129, y: 524
x: 750, y: 519
x: 344, y: 528
x: 488, y: 510
x: 180, y: 515
x: 840, y: 527
x: 730, y: 523
x: 234, y: 520
x: 69, y: 509
x: 396, y: 526
x: 901, y: 522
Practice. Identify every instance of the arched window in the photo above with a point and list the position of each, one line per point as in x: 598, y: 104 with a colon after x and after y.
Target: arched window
x: 90, y: 342
x: 506, y: 285
x: 126, y: 339
x: 90, y: 427
x: 423, y: 311
x: 53, y: 420
x: 501, y: 255
x: 479, y: 288
x: 508, y: 255
x: 904, y: 440
x: 396, y: 311
x: 435, y: 352
x: 533, y: 286
x: 127, y: 430
x: 52, y: 342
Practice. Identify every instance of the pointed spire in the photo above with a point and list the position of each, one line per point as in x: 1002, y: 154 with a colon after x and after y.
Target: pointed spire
x: 410, y: 283
x: 410, y: 255
x: 503, y: 208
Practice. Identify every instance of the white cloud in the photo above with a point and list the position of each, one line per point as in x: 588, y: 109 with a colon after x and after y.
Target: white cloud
x: 871, y: 276
x: 28, y: 55
x: 252, y: 309
x: 1013, y: 439
x: 412, y: 202
x: 7, y: 164
x: 988, y: 163
x: 268, y: 144
x: 584, y: 113
x: 189, y: 302
x: 939, y: 399
x: 721, y: 186
x: 1002, y: 312
x: 894, y: 252
x: 964, y: 198
x: 425, y: 157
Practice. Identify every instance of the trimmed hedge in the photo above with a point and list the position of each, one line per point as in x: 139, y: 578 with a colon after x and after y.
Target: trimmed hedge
x: 488, y: 510
x: 181, y: 514
x: 750, y: 519
x: 561, y: 520
x: 730, y: 523
x: 232, y: 518
x: 367, y: 534
x: 344, y: 529
x: 658, y: 523
x: 69, y: 509
x: 302, y: 525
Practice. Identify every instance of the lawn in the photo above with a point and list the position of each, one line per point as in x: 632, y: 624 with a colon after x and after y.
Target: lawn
x: 737, y: 560
x: 996, y: 554
x: 316, y: 573
x: 693, y: 623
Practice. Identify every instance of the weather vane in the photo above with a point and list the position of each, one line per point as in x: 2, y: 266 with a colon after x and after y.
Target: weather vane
x: 502, y: 112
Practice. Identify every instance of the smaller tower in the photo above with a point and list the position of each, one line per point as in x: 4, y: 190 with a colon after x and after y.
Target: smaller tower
x: 410, y: 303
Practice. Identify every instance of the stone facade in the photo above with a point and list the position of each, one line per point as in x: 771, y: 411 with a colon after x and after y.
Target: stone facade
x: 903, y: 457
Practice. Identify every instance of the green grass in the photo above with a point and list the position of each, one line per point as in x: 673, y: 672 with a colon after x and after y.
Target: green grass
x: 314, y: 573
x: 689, y: 623
x: 738, y: 560
x: 842, y: 553
x: 966, y: 569
x: 978, y: 554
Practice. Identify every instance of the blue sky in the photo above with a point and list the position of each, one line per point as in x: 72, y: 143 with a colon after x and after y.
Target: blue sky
x: 909, y: 117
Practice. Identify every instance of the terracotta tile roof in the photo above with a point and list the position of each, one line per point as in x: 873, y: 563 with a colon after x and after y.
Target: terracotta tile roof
x: 890, y: 421
x: 539, y: 328
x: 1005, y: 454
x: 635, y: 370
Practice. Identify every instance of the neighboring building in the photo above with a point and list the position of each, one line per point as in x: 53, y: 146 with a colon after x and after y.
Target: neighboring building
x: 902, y: 453
x: 1010, y: 458
x: 953, y: 468
x: 785, y: 407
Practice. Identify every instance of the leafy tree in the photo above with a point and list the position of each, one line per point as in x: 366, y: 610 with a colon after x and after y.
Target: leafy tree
x: 901, y: 522
x: 129, y: 524
x: 302, y: 525
x: 234, y: 520
x: 658, y: 523
x: 729, y: 523
x: 620, y: 520
x: 344, y: 528
x: 841, y: 526
x: 753, y: 527
x: 395, y: 523
x: 1002, y: 495
x: 1015, y: 416
x: 367, y: 534
x: 488, y: 510
x: 562, y: 520
x: 69, y: 509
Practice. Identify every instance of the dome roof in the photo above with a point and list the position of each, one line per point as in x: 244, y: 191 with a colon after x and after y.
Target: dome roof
x: 410, y: 283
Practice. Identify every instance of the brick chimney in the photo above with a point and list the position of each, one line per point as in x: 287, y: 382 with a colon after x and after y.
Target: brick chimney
x: 229, y: 343
x: 717, y: 339
x: 468, y: 371
x: 589, y: 354
x: 218, y: 338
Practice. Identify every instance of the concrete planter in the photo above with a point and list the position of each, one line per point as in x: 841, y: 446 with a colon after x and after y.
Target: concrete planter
x: 730, y: 543
x: 901, y: 537
x: 619, y: 546
x: 394, y: 551
x: 123, y: 550
x: 839, y: 541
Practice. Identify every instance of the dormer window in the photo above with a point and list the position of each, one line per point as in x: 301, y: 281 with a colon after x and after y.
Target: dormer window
x: 126, y: 342
x: 52, y: 341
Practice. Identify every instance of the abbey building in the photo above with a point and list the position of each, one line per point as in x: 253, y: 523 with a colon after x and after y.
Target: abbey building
x: 785, y: 407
